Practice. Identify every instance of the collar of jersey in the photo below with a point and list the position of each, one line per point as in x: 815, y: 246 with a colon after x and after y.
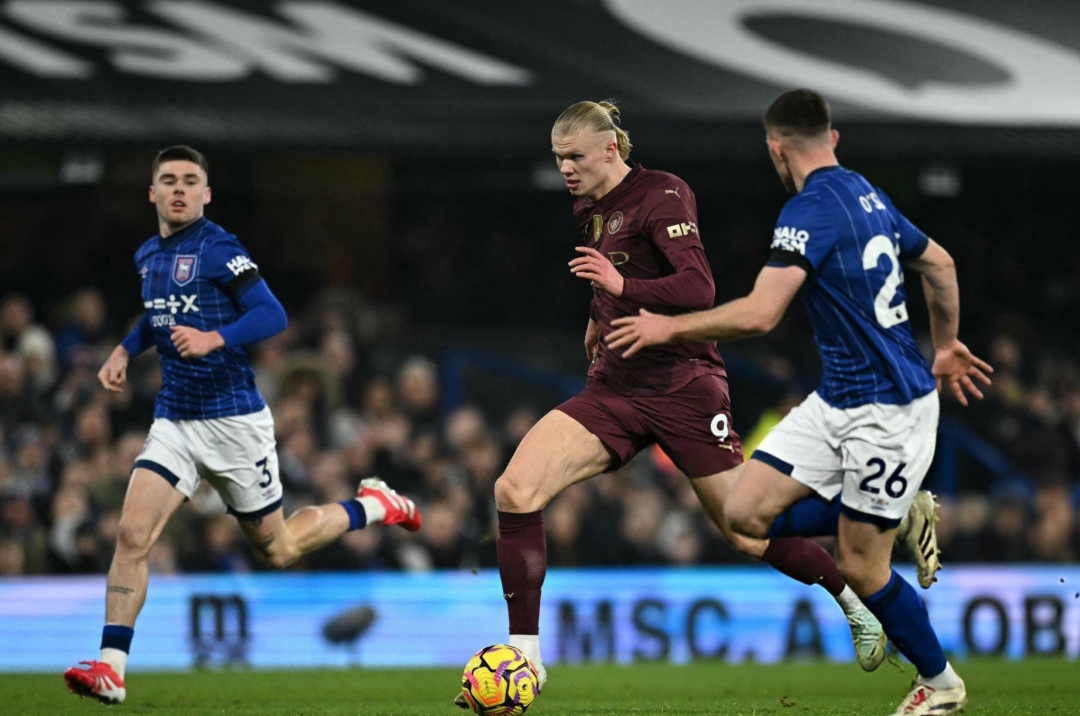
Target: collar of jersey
x: 174, y: 239
x: 621, y: 186
x: 821, y: 171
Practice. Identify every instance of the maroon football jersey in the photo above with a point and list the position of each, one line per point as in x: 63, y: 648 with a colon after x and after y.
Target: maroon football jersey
x: 647, y: 227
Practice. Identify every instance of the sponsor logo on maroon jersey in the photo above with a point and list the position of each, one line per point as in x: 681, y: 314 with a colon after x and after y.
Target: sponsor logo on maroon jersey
x: 615, y: 223
x: 684, y: 229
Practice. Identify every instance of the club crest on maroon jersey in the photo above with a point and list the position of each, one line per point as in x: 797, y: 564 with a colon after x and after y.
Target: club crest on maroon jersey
x: 184, y: 270
x: 615, y: 223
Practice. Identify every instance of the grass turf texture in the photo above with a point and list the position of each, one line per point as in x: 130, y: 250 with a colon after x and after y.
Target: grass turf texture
x: 1041, y: 686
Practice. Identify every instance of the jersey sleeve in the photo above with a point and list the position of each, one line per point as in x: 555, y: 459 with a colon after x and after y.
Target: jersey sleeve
x: 913, y: 242
x: 227, y: 264
x: 803, y: 236
x: 671, y: 223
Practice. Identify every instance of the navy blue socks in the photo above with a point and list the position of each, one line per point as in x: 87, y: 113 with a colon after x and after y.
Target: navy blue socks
x: 357, y: 515
x: 903, y: 616
x: 114, y: 636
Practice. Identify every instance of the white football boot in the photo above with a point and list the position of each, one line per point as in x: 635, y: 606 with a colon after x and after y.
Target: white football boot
x: 868, y: 636
x: 918, y: 533
x: 541, y: 675
x: 928, y: 701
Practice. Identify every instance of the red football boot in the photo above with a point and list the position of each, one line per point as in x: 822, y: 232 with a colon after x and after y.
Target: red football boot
x: 97, y: 680
x: 400, y: 510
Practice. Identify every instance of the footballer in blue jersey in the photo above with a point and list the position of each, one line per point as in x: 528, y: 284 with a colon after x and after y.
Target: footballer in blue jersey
x: 865, y: 438
x: 204, y: 301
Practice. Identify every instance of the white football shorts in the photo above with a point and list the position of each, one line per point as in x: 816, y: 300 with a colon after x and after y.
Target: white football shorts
x: 875, y: 455
x: 237, y: 455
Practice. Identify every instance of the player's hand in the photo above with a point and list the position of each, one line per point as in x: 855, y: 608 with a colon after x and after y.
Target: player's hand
x: 193, y: 343
x: 955, y: 366
x: 592, y: 338
x: 596, y: 267
x: 642, y: 331
x: 113, y: 374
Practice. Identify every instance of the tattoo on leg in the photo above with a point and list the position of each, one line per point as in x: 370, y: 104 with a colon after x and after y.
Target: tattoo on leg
x: 120, y: 590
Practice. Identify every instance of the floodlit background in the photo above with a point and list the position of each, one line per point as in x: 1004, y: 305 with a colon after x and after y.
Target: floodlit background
x: 388, y: 166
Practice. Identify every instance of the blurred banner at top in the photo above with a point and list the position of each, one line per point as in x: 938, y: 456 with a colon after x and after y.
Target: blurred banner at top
x: 459, y: 76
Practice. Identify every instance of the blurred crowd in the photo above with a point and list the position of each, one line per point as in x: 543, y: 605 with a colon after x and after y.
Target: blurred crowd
x: 67, y: 448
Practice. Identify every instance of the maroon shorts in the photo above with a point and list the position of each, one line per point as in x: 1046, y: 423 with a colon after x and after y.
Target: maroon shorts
x: 693, y: 425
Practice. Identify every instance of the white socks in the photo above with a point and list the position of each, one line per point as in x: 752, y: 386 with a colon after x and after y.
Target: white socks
x: 945, y: 680
x: 373, y: 509
x: 528, y: 644
x: 116, y: 659
x: 848, y: 600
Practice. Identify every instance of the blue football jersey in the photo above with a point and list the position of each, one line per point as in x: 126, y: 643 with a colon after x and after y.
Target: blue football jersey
x: 195, y: 278
x: 852, y: 242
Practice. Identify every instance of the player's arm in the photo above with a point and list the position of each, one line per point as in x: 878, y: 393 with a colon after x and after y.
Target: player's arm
x: 237, y: 276
x: 670, y: 220
x: 262, y: 316
x: 954, y: 363
x: 752, y: 315
x: 114, y: 372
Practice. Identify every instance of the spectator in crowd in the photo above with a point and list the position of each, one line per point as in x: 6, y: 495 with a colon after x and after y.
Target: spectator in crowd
x: 345, y: 409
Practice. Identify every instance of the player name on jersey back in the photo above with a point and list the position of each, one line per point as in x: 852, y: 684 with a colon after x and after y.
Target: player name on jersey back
x: 852, y: 242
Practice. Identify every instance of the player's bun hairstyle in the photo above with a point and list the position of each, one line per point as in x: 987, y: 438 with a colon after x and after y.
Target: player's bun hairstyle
x: 180, y: 152
x: 594, y: 118
x: 798, y: 113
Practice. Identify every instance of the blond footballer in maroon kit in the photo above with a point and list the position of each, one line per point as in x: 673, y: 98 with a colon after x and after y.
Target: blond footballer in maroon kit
x: 640, y: 249
x: 675, y: 395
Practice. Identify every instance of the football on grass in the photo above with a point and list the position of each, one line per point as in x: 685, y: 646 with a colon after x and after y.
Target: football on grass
x: 499, y: 681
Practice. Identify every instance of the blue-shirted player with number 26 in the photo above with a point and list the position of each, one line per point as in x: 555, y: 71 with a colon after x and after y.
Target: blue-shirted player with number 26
x: 867, y: 434
x: 205, y: 301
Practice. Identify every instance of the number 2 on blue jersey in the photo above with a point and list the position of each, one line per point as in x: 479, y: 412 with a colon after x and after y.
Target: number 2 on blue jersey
x: 887, y: 315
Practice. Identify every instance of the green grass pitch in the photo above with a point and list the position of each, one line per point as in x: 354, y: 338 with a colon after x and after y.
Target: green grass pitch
x: 1045, y: 687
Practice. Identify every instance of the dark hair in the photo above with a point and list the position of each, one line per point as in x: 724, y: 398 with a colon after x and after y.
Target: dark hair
x: 800, y: 112
x: 181, y: 152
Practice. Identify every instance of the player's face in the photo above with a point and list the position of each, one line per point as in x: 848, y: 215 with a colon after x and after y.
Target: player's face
x: 585, y: 161
x: 779, y: 159
x: 179, y: 192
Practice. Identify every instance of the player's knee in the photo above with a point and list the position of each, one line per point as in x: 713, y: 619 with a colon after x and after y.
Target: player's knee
x: 515, y: 493
x: 744, y: 519
x: 276, y: 557
x: 277, y: 551
x: 750, y: 547
x: 133, y: 540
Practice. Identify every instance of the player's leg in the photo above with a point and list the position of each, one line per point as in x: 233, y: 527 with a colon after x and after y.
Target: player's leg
x: 865, y: 549
x: 816, y: 517
x: 799, y: 558
x: 694, y: 426
x: 762, y: 493
x: 588, y: 434
x: 766, y: 487
x: 151, y: 500
x: 239, y: 455
x: 280, y: 542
